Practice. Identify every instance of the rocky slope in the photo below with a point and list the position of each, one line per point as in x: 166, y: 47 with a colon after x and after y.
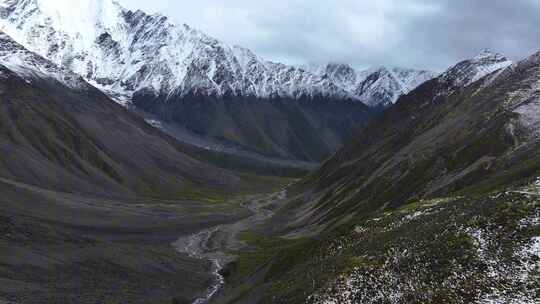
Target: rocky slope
x: 60, y: 133
x: 435, y: 201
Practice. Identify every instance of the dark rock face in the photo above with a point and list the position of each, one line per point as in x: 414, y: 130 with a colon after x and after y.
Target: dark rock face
x: 306, y: 129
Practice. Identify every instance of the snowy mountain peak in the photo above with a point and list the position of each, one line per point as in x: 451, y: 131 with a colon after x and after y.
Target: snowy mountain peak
x: 474, y: 69
x: 80, y: 11
x: 124, y: 52
x: 379, y: 86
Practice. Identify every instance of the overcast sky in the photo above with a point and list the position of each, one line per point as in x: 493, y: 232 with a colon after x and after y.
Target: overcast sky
x: 429, y: 34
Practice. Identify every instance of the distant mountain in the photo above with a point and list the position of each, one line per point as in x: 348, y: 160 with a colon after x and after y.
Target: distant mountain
x: 376, y: 86
x: 471, y: 70
x: 58, y: 132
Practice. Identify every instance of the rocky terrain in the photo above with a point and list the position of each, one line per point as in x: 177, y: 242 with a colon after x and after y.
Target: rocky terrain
x: 435, y: 201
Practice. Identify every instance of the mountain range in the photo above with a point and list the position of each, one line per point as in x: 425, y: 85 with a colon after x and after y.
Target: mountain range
x: 123, y: 52
x: 183, y: 77
x: 375, y: 87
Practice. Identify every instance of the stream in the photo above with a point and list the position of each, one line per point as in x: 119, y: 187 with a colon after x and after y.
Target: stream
x: 211, y: 244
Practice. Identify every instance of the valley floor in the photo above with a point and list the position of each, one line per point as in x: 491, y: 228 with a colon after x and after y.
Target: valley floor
x: 471, y: 248
x: 66, y: 248
x: 218, y: 244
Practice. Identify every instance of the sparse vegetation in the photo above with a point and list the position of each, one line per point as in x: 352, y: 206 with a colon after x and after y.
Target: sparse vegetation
x: 451, y: 250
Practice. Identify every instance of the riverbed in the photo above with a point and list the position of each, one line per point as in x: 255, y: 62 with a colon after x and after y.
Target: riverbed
x: 213, y: 244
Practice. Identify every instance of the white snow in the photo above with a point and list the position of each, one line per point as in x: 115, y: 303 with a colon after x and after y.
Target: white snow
x: 82, y: 19
x: 530, y: 264
x: 526, y: 100
x: 372, y: 86
x: 30, y: 66
x: 472, y: 70
x: 534, y: 247
x: 140, y: 51
x: 530, y: 115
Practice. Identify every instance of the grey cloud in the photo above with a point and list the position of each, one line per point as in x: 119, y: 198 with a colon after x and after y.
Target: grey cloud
x: 431, y: 34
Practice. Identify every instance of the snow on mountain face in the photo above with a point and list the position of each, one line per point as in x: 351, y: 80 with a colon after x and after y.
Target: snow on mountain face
x: 525, y: 101
x: 374, y: 87
x: 30, y: 66
x: 472, y: 70
x: 122, y: 52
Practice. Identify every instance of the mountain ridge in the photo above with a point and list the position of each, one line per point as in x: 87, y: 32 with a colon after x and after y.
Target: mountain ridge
x: 122, y: 52
x: 375, y: 87
x: 189, y: 79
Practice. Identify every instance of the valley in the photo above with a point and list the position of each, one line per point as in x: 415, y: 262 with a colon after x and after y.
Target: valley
x: 219, y: 243
x: 145, y: 161
x: 60, y: 247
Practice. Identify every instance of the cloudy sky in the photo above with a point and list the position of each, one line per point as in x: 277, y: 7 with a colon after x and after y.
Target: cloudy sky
x: 429, y: 34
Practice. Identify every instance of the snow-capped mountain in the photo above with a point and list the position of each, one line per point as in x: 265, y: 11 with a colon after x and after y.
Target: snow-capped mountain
x: 205, y: 88
x: 122, y: 52
x: 472, y: 70
x: 469, y: 71
x: 375, y: 86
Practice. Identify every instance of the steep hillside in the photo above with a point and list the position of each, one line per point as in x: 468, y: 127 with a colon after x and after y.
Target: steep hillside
x: 437, y: 201
x: 304, y: 129
x: 92, y: 196
x: 58, y: 132
x: 449, y: 133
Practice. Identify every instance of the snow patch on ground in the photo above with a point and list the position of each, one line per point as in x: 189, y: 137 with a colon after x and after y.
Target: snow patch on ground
x: 499, y: 273
x: 527, y: 271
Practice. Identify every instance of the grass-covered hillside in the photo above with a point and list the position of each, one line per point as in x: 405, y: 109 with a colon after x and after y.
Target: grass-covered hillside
x: 437, y: 201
